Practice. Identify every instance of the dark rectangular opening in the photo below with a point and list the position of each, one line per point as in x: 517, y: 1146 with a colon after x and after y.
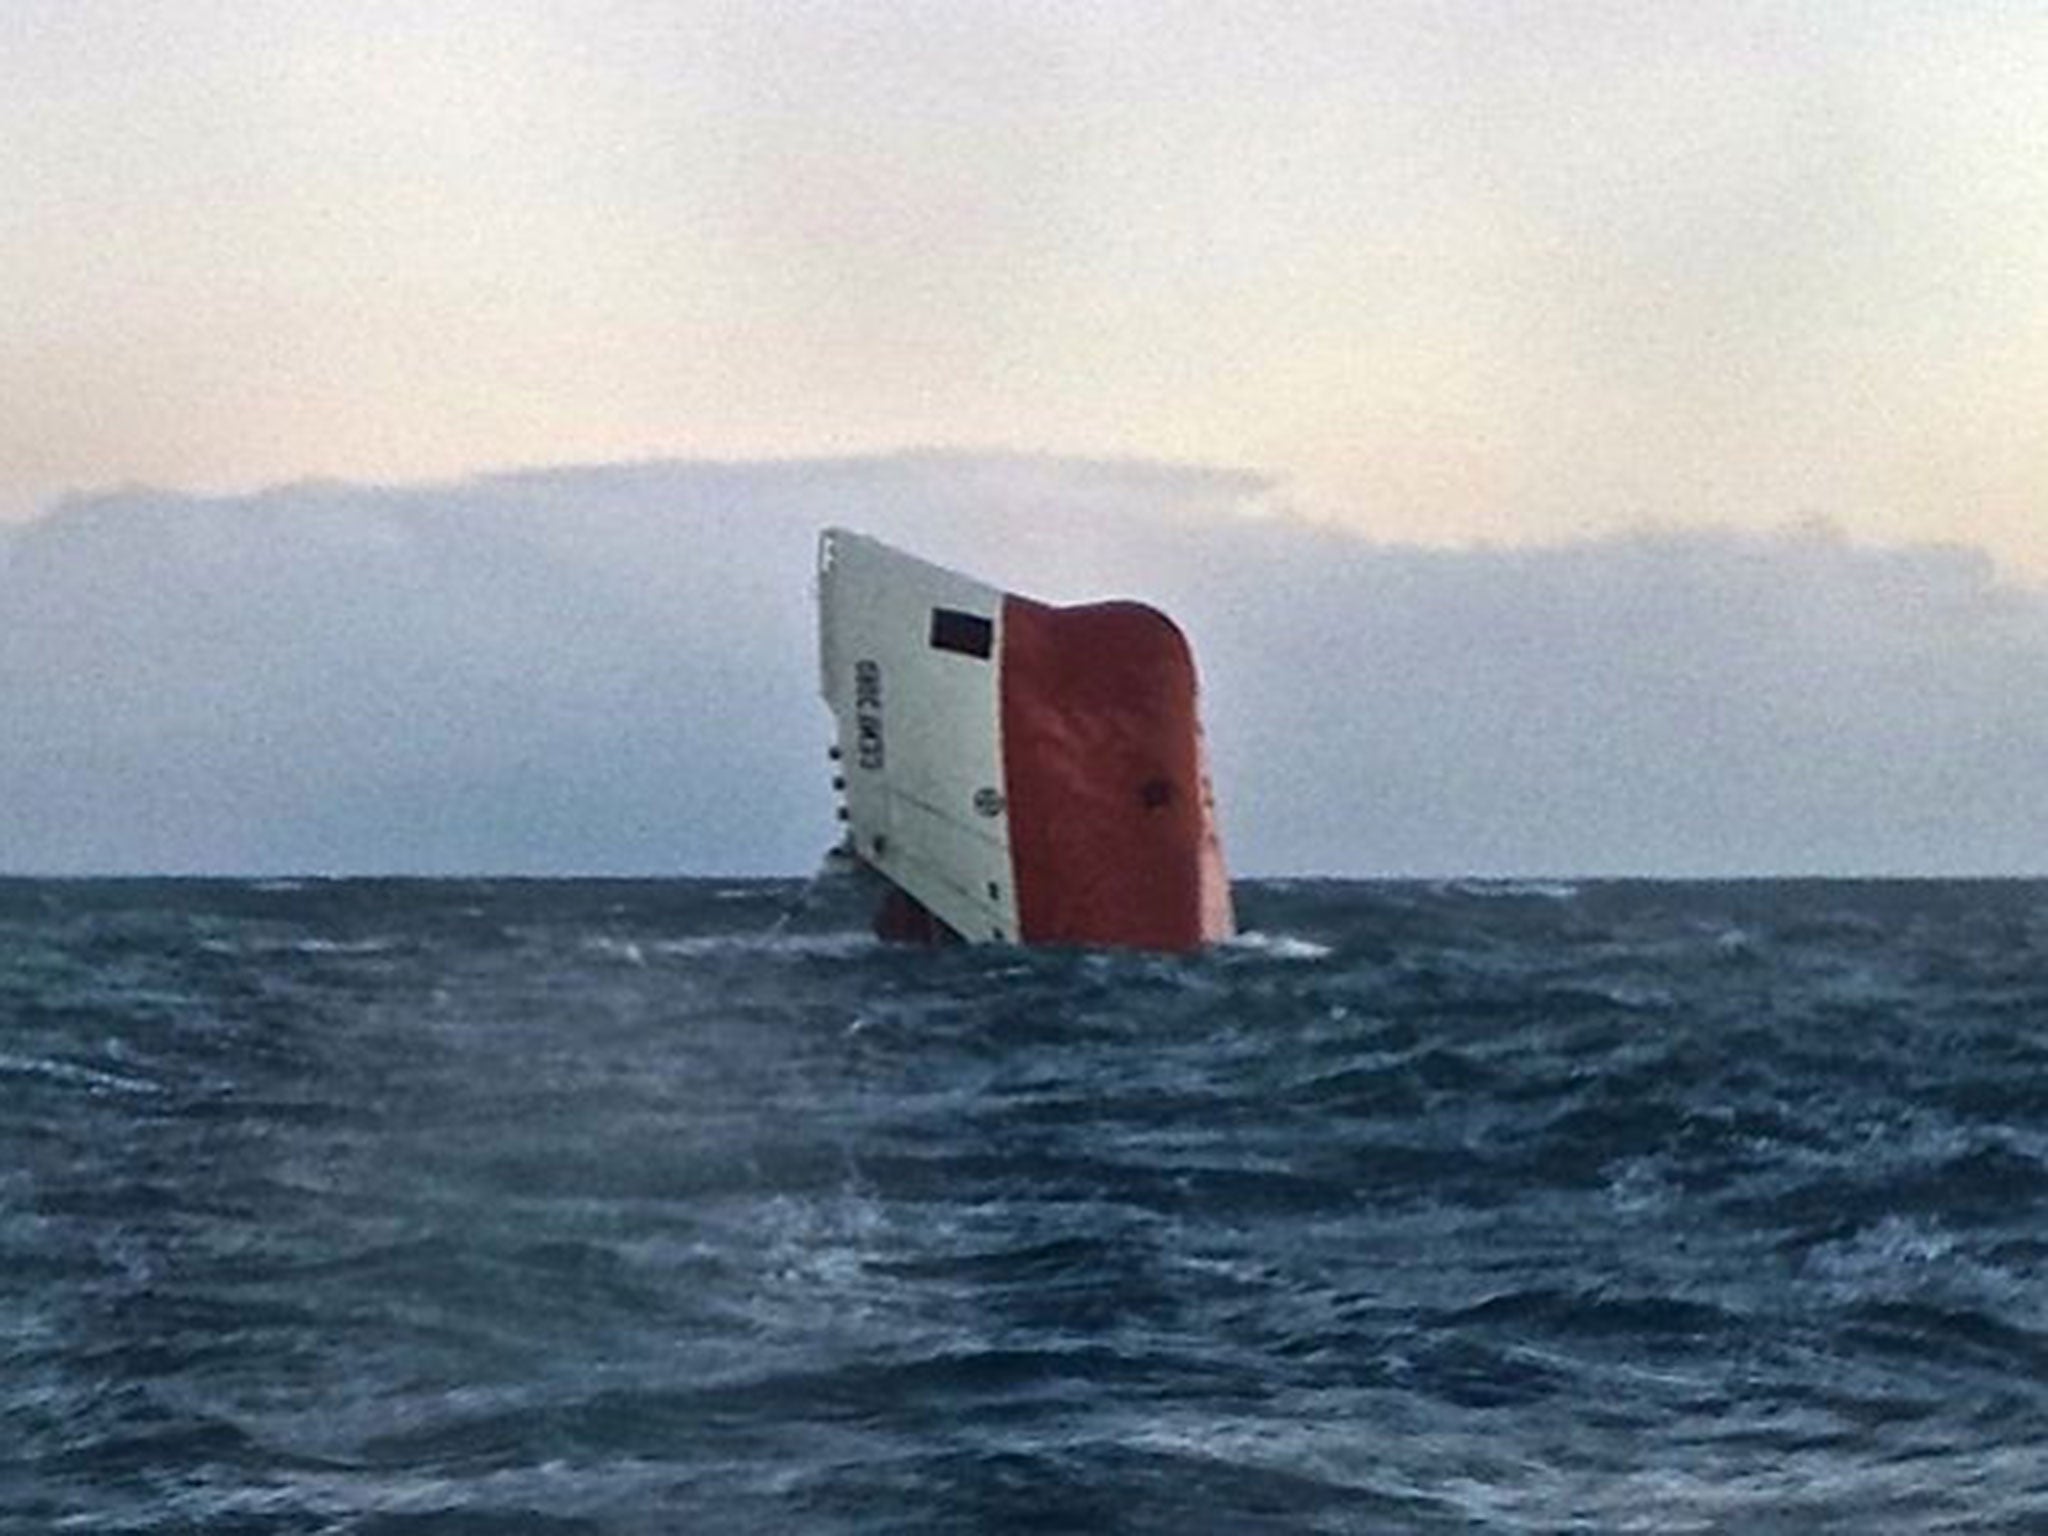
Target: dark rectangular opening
x: 969, y: 634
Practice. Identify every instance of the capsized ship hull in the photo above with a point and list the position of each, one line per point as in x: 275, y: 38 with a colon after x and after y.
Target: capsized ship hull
x: 1017, y: 772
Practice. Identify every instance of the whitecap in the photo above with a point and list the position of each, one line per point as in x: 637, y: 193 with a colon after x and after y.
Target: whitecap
x: 828, y: 945
x: 70, y: 1072
x: 273, y: 946
x: 1547, y: 890
x: 1883, y: 1254
x: 342, y: 946
x: 618, y: 949
x: 1278, y: 946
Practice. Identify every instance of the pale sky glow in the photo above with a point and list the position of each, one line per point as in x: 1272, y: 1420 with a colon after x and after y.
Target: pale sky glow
x: 1500, y: 271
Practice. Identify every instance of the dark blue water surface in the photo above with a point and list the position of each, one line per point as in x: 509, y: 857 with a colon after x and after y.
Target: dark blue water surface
x: 466, y: 1207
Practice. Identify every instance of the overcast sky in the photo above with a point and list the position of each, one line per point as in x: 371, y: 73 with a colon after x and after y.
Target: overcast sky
x: 1447, y: 272
x: 614, y: 670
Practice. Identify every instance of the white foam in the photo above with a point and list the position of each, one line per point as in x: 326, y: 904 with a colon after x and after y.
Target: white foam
x: 1895, y: 1251
x: 342, y: 946
x: 1547, y: 890
x: 829, y: 945
x: 1278, y: 946
x: 258, y: 946
x: 767, y: 941
x: 71, y: 1072
x: 617, y: 949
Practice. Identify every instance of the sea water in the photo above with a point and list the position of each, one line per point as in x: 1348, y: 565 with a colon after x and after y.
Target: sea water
x: 474, y: 1207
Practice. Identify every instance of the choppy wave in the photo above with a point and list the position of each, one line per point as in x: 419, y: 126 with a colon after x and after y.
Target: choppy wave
x: 601, y: 1206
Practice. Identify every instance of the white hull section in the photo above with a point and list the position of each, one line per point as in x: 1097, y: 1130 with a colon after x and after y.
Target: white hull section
x: 924, y: 792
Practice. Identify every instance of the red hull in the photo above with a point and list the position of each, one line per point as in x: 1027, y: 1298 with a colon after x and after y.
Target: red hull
x: 1112, y: 836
